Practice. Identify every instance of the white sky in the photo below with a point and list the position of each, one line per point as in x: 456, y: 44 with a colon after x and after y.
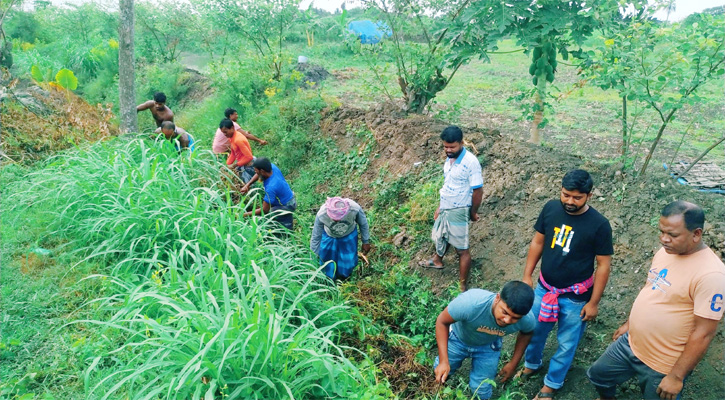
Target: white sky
x: 683, y: 7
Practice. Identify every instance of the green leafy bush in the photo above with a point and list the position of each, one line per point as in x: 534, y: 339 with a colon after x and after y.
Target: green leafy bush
x: 165, y: 78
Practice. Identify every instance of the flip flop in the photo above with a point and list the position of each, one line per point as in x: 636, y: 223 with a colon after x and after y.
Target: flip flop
x: 544, y: 395
x: 429, y: 264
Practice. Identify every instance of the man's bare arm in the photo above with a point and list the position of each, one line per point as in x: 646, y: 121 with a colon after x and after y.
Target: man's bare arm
x: 443, y: 322
x: 696, y: 347
x: 259, y: 211
x: 601, y: 276
x: 184, y: 141
x: 508, y: 370
x: 145, y: 106
x: 249, y: 136
x: 476, y: 199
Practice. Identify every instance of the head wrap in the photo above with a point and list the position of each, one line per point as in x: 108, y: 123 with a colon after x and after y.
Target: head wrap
x: 337, y: 208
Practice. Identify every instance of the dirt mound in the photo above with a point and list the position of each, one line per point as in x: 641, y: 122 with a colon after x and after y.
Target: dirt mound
x: 313, y: 73
x: 519, y: 179
x: 38, y: 121
x: 402, y: 142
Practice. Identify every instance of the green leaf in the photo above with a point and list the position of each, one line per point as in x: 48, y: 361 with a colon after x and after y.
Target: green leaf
x: 66, y: 79
x: 36, y: 74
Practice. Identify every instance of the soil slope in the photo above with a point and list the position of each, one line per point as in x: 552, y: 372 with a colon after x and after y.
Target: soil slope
x: 519, y: 179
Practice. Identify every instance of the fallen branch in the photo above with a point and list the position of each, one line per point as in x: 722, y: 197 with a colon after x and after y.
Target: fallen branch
x: 704, y: 153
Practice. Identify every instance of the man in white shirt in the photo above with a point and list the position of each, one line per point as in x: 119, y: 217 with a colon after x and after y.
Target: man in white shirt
x: 461, y: 196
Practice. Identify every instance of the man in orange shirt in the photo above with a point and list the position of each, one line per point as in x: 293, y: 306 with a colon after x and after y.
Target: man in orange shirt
x: 240, y: 158
x: 221, y: 144
x: 674, y: 317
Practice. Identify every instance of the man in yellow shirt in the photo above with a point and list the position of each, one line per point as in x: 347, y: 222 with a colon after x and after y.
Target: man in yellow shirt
x: 675, y: 316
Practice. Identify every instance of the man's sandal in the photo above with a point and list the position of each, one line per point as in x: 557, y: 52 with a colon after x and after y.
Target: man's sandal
x: 544, y: 395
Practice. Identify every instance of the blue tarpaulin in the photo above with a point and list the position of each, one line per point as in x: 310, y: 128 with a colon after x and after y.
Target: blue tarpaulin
x: 368, y: 32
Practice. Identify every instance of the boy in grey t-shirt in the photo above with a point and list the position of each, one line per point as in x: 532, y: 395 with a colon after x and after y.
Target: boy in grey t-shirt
x: 479, y: 320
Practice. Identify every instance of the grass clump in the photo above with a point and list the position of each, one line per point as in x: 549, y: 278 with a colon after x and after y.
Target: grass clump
x: 199, y: 302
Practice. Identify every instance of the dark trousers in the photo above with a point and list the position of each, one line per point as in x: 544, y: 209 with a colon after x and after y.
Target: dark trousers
x: 617, y: 365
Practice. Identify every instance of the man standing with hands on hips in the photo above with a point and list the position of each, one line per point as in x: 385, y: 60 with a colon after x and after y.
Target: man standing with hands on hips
x: 570, y: 236
x: 461, y: 196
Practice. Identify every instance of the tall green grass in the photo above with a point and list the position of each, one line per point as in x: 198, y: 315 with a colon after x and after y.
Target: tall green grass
x: 203, y: 303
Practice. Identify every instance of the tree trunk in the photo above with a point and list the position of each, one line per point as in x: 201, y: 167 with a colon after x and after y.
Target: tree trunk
x: 126, y: 68
x: 656, y: 141
x: 625, y: 138
x: 534, y: 136
x: 418, y: 98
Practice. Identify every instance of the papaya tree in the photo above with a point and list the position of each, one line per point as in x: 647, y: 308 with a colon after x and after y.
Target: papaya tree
x: 660, y: 67
x: 549, y: 29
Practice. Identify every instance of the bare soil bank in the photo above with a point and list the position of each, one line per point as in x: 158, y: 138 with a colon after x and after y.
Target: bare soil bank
x: 519, y: 179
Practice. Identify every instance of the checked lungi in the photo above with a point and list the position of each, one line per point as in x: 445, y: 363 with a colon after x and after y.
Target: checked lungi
x: 341, y: 252
x: 451, y: 227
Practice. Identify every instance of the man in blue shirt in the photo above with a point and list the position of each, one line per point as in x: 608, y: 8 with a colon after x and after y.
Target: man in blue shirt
x: 473, y: 325
x: 278, y: 195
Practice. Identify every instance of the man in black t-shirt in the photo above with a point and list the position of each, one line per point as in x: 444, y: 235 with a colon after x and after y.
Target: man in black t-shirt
x: 569, y: 236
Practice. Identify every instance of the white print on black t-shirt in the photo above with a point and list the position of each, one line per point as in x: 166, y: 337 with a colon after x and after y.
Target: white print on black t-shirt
x: 562, y: 237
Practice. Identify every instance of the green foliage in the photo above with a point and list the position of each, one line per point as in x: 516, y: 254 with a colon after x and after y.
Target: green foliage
x: 445, y: 42
x: 66, y: 79
x: 545, y: 30
x: 162, y: 77
x: 36, y: 74
x: 411, y: 301
x: 192, y: 283
x: 163, y: 28
x: 263, y: 24
x: 659, y: 67
x: 21, y: 25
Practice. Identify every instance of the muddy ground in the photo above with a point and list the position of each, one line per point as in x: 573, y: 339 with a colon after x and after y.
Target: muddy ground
x: 519, y: 179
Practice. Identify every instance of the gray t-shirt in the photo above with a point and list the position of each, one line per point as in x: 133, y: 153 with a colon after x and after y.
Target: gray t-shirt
x: 475, y: 324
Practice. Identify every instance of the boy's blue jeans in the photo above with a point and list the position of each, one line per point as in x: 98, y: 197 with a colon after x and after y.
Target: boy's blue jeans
x: 484, y: 363
x: 571, y: 329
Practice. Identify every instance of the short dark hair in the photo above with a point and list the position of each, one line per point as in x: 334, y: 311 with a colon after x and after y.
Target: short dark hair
x: 226, y: 123
x: 518, y: 296
x: 578, y: 179
x: 229, y: 111
x: 263, y: 163
x: 160, y: 97
x: 168, y: 125
x: 692, y: 213
x: 452, y: 134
